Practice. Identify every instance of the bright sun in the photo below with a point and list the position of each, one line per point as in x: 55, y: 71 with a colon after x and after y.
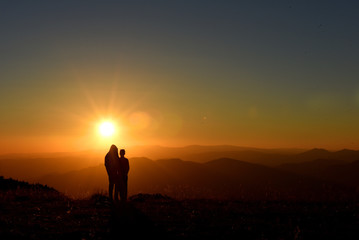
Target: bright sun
x: 107, y: 129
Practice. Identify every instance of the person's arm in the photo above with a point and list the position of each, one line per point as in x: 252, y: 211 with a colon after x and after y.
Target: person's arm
x: 127, y: 166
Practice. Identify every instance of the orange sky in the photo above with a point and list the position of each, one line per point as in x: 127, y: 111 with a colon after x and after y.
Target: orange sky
x: 177, y: 74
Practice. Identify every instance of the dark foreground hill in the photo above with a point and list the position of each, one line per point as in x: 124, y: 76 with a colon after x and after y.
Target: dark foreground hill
x: 42, y: 213
x: 329, y: 170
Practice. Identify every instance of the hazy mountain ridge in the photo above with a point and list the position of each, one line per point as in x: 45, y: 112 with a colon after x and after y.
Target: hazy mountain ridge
x: 250, y: 173
x: 221, y: 178
x: 30, y: 166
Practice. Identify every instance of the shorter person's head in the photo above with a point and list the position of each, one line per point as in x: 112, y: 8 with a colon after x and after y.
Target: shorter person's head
x: 122, y: 152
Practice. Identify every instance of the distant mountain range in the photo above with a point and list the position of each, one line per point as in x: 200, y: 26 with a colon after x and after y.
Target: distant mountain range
x: 276, y: 157
x: 221, y: 178
x: 204, y: 171
x: 28, y: 166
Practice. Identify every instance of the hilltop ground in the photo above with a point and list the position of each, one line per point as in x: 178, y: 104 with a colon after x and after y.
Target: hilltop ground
x: 38, y: 212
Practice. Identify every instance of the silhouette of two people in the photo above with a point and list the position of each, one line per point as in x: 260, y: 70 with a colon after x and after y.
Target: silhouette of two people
x: 117, y: 169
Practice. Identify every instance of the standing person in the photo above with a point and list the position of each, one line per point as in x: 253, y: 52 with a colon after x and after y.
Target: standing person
x: 112, y: 164
x: 124, y: 168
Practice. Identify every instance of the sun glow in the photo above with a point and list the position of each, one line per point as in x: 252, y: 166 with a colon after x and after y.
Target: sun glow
x: 107, y: 129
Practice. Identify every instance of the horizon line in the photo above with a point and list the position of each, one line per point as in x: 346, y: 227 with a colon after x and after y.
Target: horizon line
x: 186, y: 146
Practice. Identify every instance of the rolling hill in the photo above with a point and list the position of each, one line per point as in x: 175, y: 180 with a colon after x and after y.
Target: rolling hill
x: 237, y: 172
x: 335, y: 171
x: 218, y: 179
x: 31, y: 166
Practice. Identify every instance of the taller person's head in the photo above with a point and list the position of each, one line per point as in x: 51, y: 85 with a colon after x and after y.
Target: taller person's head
x: 113, y: 149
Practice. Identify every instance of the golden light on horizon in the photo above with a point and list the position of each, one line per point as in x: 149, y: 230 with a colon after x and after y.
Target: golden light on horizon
x: 107, y: 129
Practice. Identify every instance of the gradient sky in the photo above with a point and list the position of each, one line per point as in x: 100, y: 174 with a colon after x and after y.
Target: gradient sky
x: 250, y: 73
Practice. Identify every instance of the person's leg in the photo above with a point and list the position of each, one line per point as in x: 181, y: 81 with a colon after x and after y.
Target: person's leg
x: 110, y: 190
x: 125, y: 189
x: 116, y: 191
x: 120, y: 185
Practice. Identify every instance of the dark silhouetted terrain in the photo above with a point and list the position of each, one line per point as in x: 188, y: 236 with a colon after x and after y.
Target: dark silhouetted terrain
x: 334, y: 171
x: 39, y: 212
